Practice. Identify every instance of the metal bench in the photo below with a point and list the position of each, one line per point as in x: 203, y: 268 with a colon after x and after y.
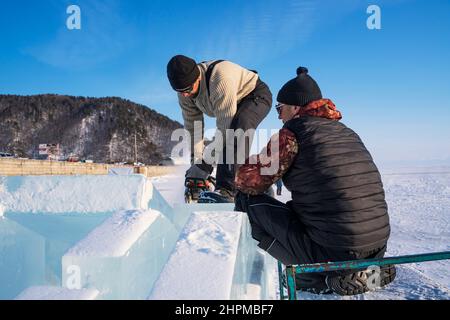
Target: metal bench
x: 292, y: 270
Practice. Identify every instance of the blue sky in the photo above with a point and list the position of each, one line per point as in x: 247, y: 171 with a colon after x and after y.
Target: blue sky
x: 392, y: 85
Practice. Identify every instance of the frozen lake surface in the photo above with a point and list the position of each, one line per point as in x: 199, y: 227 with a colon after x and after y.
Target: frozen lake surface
x: 128, y: 237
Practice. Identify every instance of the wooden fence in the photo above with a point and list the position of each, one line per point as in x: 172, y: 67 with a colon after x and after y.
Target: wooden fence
x: 25, y: 167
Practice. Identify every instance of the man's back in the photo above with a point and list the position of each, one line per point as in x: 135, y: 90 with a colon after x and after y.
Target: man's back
x: 336, y: 187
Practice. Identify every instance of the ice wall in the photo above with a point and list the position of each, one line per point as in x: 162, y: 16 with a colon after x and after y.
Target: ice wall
x: 74, y: 194
x: 42, y: 217
x: 110, y: 237
x: 213, y: 258
x: 123, y: 256
x: 22, y: 259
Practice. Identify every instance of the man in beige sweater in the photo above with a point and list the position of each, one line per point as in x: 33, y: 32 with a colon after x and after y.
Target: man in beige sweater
x: 235, y: 96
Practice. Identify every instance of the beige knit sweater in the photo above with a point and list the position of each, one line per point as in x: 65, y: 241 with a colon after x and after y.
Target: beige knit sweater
x: 229, y: 84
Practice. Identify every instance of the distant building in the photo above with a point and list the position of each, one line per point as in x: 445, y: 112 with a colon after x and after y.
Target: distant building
x: 50, y: 152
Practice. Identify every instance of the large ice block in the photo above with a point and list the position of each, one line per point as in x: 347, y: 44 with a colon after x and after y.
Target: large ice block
x: 269, y: 276
x: 159, y: 203
x: 57, y: 293
x: 64, y: 209
x: 22, y: 259
x: 74, y: 194
x: 123, y: 256
x: 212, y: 259
x: 60, y: 232
x: 245, y: 257
x: 182, y: 212
x: 113, y: 234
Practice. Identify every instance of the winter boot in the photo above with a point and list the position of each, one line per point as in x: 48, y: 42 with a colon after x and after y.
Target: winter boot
x: 311, y: 283
x: 358, y: 282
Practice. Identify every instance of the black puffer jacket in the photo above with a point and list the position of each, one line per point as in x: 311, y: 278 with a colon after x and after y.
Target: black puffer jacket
x: 336, y: 188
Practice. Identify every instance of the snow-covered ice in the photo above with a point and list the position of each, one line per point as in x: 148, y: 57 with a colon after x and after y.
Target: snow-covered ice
x: 419, y: 207
x: 57, y: 293
x: 114, y: 226
x: 123, y: 256
x: 116, y: 235
x: 74, y: 194
x: 206, y: 252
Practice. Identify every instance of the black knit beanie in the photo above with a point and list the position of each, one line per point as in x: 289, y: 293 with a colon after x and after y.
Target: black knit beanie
x: 300, y: 91
x: 182, y: 72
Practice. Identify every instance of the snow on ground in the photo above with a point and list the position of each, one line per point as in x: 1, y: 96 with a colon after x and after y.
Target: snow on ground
x: 419, y: 208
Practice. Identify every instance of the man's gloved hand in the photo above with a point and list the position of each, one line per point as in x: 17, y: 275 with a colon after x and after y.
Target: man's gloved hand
x: 199, y: 171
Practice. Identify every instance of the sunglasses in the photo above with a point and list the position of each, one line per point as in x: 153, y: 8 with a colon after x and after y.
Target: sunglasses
x: 187, y: 90
x: 278, y: 107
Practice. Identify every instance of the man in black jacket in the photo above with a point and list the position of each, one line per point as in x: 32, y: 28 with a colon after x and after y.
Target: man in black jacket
x: 338, y: 210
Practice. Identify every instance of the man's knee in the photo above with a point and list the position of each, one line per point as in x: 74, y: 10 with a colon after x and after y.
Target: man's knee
x: 273, y: 247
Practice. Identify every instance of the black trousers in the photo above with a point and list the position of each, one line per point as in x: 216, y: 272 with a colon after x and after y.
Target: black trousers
x: 251, y: 111
x: 279, y: 232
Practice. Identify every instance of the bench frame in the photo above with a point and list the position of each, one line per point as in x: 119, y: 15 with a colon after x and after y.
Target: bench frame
x: 292, y: 270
